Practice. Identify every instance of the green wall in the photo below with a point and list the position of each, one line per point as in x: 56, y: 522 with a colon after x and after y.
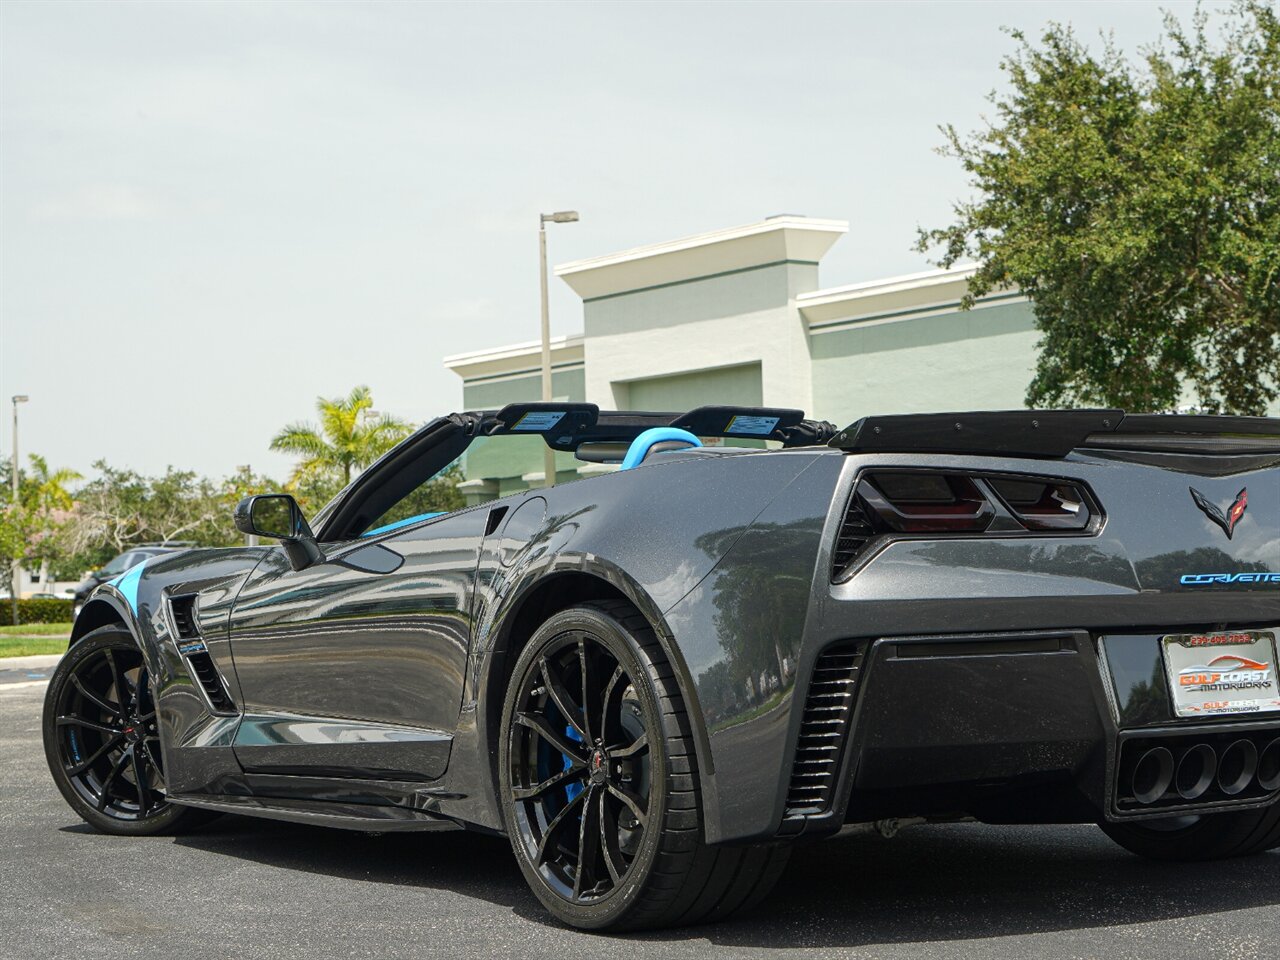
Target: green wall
x: 982, y: 359
x: 684, y: 391
x: 570, y: 384
x: 734, y: 294
x: 507, y: 459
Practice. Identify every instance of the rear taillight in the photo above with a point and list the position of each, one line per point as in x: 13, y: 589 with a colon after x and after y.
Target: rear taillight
x: 891, y: 504
x: 926, y: 502
x: 1044, y: 504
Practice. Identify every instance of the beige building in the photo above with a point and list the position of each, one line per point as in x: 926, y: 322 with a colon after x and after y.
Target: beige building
x: 739, y: 316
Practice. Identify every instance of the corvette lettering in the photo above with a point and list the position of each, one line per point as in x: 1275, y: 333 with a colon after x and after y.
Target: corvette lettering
x: 1209, y: 579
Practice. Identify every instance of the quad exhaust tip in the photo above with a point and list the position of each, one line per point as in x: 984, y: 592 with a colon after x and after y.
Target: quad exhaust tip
x: 1237, y: 767
x: 1153, y: 775
x: 1196, y: 772
x: 1269, y: 766
x: 1198, y: 768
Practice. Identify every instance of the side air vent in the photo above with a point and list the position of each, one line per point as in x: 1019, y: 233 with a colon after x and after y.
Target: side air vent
x: 855, y: 531
x: 824, y: 730
x: 184, y: 617
x: 182, y: 611
x: 205, y: 674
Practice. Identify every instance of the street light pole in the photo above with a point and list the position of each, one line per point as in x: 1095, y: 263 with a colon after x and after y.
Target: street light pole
x: 13, y: 503
x: 563, y: 216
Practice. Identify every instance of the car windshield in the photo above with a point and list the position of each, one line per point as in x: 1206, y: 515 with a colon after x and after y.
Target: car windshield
x: 119, y: 564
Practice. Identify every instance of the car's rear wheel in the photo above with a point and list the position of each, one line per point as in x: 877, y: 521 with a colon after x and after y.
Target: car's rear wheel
x: 1215, y: 836
x: 102, y: 742
x: 599, y: 782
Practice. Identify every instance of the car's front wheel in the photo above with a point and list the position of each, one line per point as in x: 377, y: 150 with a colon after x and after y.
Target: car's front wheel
x: 101, y: 738
x: 599, y: 782
x: 1215, y: 836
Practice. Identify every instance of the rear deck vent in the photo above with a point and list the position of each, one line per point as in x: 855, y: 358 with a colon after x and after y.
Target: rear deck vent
x: 824, y: 729
x: 206, y: 674
x: 855, y: 531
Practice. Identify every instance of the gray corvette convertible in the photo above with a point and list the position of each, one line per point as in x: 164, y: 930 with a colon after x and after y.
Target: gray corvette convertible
x: 736, y: 629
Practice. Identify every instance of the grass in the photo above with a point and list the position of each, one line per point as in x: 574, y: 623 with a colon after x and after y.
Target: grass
x: 36, y: 630
x: 30, y: 639
x: 30, y: 646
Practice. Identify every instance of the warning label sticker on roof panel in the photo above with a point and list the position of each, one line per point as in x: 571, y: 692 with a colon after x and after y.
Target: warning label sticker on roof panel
x: 537, y: 421
x: 752, y: 426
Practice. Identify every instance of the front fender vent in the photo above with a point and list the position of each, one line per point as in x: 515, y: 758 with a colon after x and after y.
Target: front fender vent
x: 824, y: 731
x: 206, y: 674
x: 182, y: 613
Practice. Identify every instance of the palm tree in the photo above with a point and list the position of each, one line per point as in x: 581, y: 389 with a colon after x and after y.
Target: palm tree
x: 49, y: 502
x: 47, y: 490
x: 345, y: 440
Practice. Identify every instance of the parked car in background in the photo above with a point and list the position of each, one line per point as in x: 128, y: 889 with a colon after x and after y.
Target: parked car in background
x: 121, y: 564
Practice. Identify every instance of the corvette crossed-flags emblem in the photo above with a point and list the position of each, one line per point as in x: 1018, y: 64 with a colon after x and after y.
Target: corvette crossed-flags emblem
x: 1228, y: 520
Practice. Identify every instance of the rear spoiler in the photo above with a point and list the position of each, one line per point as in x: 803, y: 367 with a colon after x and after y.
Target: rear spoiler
x: 1055, y: 433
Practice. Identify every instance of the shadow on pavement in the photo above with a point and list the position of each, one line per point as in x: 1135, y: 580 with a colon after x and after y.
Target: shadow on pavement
x: 944, y: 883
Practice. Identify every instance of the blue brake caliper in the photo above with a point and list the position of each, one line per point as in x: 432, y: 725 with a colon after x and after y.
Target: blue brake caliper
x: 571, y: 790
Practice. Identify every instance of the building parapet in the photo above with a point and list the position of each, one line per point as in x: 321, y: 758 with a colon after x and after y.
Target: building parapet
x: 781, y: 239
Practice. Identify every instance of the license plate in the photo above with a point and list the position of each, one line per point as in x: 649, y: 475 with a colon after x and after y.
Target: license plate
x: 1214, y: 674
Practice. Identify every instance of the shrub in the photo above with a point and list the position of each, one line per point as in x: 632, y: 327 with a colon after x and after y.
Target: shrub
x: 37, y: 611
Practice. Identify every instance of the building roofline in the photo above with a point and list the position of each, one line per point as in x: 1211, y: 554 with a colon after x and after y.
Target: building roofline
x: 873, y: 288
x: 769, y: 224
x: 512, y: 351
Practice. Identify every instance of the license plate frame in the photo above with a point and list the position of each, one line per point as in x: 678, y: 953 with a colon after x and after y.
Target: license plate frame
x: 1229, y: 673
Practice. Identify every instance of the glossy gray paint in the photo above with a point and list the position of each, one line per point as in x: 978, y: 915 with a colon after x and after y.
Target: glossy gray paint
x: 358, y: 668
x: 728, y: 555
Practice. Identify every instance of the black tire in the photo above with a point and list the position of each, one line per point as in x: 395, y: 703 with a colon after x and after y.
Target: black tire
x: 100, y: 739
x: 667, y: 876
x: 1216, y: 836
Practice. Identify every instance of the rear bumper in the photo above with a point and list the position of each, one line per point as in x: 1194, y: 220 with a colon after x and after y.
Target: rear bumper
x: 1021, y: 727
x: 1024, y: 732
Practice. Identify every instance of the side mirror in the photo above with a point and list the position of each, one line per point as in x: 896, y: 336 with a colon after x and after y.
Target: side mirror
x: 278, y: 516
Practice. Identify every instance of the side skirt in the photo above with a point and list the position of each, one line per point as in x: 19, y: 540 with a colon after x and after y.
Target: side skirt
x: 344, y: 816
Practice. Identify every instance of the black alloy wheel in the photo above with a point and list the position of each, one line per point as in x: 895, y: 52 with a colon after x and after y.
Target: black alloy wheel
x: 599, y: 786
x: 101, y: 737
x: 579, y: 762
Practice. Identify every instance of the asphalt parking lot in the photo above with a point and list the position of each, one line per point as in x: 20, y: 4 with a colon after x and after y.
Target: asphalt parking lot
x: 255, y: 889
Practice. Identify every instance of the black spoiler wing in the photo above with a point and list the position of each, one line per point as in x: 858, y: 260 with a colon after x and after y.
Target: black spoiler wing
x: 1055, y: 433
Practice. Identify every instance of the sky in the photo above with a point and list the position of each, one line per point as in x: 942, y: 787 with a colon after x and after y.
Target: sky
x: 212, y: 213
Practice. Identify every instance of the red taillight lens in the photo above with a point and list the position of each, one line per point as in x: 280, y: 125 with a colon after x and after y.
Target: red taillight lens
x: 1044, y: 504
x: 927, y: 502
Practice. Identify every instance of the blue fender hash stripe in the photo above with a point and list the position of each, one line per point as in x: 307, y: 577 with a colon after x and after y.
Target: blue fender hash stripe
x: 127, y: 583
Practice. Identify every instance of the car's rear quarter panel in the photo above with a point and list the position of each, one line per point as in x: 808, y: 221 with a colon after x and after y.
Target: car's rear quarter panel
x: 1041, y: 713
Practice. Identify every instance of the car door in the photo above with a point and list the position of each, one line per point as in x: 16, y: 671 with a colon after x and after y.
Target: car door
x: 353, y: 667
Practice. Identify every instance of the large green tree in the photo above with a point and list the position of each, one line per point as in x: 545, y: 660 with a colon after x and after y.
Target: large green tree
x: 1138, y: 206
x: 120, y: 508
x: 346, y: 440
